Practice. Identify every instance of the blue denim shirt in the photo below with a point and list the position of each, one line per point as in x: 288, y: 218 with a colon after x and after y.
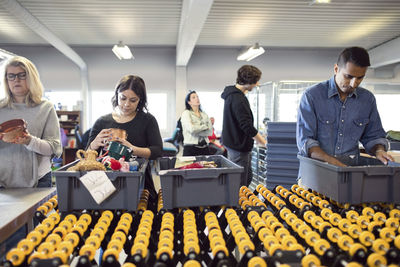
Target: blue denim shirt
x: 324, y: 120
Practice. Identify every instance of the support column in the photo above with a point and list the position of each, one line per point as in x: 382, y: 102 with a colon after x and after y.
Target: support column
x: 181, y: 90
x: 86, y: 101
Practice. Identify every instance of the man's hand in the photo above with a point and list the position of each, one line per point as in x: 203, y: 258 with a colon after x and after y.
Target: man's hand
x: 317, y: 153
x: 336, y: 162
x: 260, y: 140
x: 383, y: 156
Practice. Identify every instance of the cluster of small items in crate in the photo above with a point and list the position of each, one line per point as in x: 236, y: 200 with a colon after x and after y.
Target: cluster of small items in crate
x: 89, y: 161
x: 278, y: 228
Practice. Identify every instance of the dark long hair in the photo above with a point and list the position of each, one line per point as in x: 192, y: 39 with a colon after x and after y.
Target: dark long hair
x: 136, y: 84
x: 187, y: 99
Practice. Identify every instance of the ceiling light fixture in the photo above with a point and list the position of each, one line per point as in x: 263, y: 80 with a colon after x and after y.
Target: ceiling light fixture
x: 319, y: 2
x: 251, y: 52
x: 122, y: 51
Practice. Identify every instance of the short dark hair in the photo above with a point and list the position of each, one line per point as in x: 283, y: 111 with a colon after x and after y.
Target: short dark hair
x: 136, y: 84
x: 187, y: 99
x: 248, y: 74
x: 356, y: 55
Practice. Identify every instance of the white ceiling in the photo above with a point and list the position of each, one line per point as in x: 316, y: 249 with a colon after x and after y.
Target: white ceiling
x: 278, y: 23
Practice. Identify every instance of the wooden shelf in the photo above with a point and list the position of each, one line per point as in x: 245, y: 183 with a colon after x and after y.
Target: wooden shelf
x: 66, y: 112
x: 70, y: 120
x: 69, y: 155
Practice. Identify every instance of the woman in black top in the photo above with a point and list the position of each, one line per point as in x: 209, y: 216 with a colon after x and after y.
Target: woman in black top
x: 143, y: 134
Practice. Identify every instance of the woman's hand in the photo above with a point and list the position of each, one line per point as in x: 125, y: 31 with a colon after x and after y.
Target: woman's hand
x: 143, y: 152
x: 125, y: 143
x: 24, y: 139
x: 101, y: 139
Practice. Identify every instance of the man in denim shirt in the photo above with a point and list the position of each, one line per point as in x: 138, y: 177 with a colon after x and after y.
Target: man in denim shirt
x: 335, y: 115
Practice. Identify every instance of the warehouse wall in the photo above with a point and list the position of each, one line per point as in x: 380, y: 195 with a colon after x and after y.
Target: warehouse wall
x: 212, y: 69
x: 209, y: 69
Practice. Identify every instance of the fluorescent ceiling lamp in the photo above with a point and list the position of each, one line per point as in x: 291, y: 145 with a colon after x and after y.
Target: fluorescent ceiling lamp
x: 122, y: 51
x: 319, y: 2
x: 251, y: 53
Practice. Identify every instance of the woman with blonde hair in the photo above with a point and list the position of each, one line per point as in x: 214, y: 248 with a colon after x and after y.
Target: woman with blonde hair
x: 25, y: 160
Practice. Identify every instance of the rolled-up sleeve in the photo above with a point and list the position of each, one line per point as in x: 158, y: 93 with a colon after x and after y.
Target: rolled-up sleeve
x: 374, y: 133
x: 306, y: 128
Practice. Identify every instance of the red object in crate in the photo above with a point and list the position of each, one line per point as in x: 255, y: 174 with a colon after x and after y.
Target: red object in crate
x: 195, y: 165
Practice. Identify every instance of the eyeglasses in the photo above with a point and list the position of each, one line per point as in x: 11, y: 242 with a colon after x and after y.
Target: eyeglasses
x: 12, y: 76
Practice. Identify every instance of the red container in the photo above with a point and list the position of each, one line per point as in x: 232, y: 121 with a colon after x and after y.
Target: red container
x: 12, y: 129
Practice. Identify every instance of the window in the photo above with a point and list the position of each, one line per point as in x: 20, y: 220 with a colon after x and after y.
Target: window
x: 101, y: 104
x: 213, y: 105
x: 258, y: 113
x: 158, y: 107
x: 387, y: 96
x: 67, y: 99
x: 4, y: 56
x: 288, y: 103
x: 289, y: 95
x: 387, y: 112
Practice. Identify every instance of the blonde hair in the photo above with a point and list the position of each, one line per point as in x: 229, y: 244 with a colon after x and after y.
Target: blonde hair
x: 34, y: 96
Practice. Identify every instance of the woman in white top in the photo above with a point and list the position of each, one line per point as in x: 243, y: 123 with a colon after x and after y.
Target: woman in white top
x: 196, y: 127
x: 25, y: 161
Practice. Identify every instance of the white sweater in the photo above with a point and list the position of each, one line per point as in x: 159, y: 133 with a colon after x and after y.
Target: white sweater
x: 195, y: 128
x: 23, y: 165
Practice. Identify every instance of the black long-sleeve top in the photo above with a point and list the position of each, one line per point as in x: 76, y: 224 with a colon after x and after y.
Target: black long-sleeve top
x: 142, y: 131
x: 238, y: 126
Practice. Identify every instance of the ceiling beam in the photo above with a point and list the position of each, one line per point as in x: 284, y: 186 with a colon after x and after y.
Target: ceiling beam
x: 385, y: 54
x: 193, y: 16
x: 21, y: 13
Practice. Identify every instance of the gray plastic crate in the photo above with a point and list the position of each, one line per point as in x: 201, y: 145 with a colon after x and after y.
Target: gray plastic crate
x: 73, y: 195
x: 370, y: 181
x: 200, y: 187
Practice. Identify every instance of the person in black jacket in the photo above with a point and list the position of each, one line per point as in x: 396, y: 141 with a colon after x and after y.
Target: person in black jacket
x: 238, y: 131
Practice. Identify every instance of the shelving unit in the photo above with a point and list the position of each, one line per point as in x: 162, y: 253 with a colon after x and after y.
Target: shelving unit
x: 277, y: 101
x: 262, y: 105
x: 68, y: 120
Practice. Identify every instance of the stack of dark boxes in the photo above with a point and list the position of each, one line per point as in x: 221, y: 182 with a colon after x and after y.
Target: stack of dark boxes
x: 394, y: 145
x: 282, y: 165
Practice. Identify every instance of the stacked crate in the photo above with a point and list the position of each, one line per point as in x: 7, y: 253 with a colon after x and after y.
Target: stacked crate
x: 281, y: 163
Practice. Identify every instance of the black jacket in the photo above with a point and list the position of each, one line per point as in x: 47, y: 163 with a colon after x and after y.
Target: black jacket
x: 238, y: 125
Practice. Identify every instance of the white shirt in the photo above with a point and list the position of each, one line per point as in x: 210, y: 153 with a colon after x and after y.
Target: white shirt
x: 195, y: 128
